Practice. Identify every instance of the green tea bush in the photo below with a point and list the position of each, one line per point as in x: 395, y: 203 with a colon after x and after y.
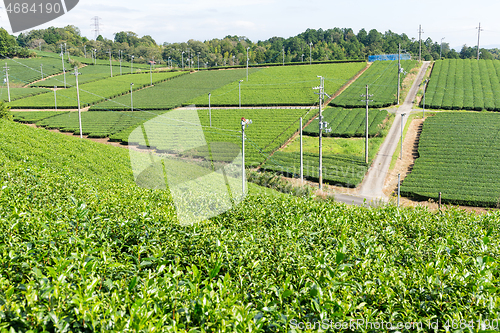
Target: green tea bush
x: 83, y: 249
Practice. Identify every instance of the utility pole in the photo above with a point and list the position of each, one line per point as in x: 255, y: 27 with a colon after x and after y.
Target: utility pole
x: 283, y: 56
x: 55, y: 97
x: 248, y: 48
x: 131, y: 98
x: 209, y: 109
x: 423, y: 109
x: 151, y: 72
x: 120, y: 52
x: 7, y: 80
x: 64, y: 70
x: 402, y: 120
x: 420, y: 43
x: 441, y: 50
x: 366, y: 100
x: 478, y: 36
x: 41, y: 70
x: 132, y: 65
x: 301, y: 154
x: 244, y: 124
x: 310, y: 52
x: 85, y: 50
x: 78, y: 98
x: 239, y: 91
x: 399, y: 187
x: 110, y: 67
x: 399, y: 72
x: 322, y: 126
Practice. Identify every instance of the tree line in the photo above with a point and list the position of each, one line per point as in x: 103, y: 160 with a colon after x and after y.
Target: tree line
x: 310, y: 45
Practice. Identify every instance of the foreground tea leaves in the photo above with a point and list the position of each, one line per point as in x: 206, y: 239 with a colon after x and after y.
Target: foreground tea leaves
x: 82, y: 249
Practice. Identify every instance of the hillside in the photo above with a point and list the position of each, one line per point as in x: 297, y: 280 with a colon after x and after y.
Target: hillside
x: 82, y: 248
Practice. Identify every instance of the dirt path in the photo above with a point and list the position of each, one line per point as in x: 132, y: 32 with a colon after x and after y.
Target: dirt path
x: 373, y: 184
x: 404, y: 166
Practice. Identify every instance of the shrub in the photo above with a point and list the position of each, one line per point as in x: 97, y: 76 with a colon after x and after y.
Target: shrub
x: 5, y: 111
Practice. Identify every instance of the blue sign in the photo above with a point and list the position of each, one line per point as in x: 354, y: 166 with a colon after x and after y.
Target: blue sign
x: 388, y: 57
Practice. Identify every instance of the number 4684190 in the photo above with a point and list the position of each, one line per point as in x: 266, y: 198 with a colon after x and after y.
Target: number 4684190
x: 25, y: 8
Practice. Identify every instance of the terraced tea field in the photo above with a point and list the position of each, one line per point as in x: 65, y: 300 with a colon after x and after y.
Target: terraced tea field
x: 458, y: 156
x: 382, y: 80
x: 269, y: 130
x: 89, y: 61
x: 464, y: 84
x: 93, y: 92
x: 88, y: 74
x: 25, y: 71
x: 18, y: 93
x: 283, y: 85
x: 95, y: 124
x: 177, y: 92
x: 348, y: 123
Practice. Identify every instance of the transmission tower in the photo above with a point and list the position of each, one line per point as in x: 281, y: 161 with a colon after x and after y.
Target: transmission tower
x: 96, y: 26
x: 420, y: 32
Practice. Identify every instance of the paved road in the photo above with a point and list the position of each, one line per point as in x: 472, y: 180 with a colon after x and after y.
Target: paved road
x: 358, y: 201
x: 373, y: 184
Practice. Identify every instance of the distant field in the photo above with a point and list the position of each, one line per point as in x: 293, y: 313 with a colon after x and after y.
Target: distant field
x: 348, y: 123
x: 125, y: 60
x: 464, y: 84
x: 25, y: 71
x: 96, y: 124
x: 93, y: 92
x: 176, y: 92
x: 458, y: 156
x: 88, y: 74
x: 17, y: 93
x: 283, y: 85
x: 34, y: 116
x: 382, y: 80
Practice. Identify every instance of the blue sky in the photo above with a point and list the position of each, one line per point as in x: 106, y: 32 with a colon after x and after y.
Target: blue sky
x: 177, y: 21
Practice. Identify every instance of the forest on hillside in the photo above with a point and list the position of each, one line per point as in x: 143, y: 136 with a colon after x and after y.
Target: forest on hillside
x: 310, y: 45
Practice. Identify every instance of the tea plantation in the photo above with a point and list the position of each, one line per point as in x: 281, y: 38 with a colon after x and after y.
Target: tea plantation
x: 283, y: 85
x: 83, y: 249
x: 92, y: 92
x: 177, y: 92
x: 464, y: 84
x: 458, y: 156
x: 382, y: 80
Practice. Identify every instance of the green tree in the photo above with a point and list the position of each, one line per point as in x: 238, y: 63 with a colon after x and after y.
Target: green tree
x: 5, y: 111
x: 8, y: 43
